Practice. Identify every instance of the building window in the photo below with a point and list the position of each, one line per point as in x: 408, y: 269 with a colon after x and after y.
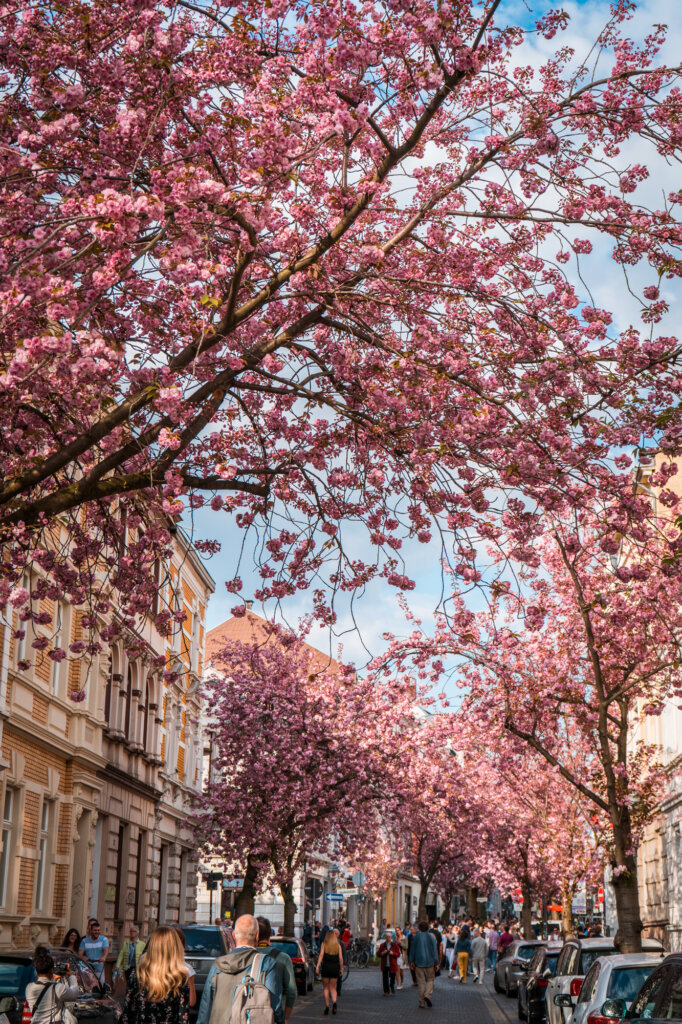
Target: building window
x: 107, y: 697
x: 194, y: 653
x: 149, y: 715
x: 157, y: 588
x: 55, y: 674
x: 140, y: 887
x: 129, y: 701
x: 119, y: 901
x: 7, y: 852
x: 164, y: 855
x: 23, y: 626
x: 43, y: 854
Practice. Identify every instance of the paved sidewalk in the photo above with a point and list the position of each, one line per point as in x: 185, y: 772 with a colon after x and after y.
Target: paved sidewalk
x: 362, y: 1000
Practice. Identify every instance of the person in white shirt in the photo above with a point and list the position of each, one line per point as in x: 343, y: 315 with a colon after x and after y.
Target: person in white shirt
x: 45, y: 996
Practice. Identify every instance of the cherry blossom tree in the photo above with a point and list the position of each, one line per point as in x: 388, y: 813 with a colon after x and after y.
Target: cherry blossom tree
x: 537, y: 834
x: 311, y: 266
x: 579, y: 658
x: 428, y: 818
x: 299, y: 757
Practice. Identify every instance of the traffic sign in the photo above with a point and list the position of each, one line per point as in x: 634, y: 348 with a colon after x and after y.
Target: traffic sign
x: 334, y: 897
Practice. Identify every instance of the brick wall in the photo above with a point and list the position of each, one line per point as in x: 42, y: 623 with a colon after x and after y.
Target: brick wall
x: 36, y: 760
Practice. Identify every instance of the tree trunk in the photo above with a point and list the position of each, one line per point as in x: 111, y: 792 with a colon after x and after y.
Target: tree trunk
x: 567, y: 912
x: 526, y: 912
x: 421, y: 907
x: 628, y: 938
x: 287, y: 892
x: 246, y: 901
x: 472, y: 901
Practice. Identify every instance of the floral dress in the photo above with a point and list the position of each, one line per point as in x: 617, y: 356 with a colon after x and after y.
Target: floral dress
x: 138, y: 1009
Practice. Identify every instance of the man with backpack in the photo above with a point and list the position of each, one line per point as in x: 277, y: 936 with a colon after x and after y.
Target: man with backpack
x: 285, y: 968
x: 243, y: 986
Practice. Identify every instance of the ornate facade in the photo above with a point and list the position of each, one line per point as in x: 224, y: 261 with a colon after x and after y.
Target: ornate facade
x: 95, y: 794
x: 660, y: 853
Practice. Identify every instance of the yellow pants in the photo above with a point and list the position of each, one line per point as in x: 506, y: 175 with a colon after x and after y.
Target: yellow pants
x: 463, y: 965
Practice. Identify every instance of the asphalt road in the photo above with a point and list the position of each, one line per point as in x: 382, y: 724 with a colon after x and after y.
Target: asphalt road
x: 362, y: 1000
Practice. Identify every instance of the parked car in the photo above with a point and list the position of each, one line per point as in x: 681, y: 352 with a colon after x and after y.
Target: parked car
x: 660, y: 997
x: 532, y: 986
x: 612, y: 977
x: 16, y: 970
x: 513, y: 963
x: 304, y: 968
x: 575, y: 961
x: 203, y: 944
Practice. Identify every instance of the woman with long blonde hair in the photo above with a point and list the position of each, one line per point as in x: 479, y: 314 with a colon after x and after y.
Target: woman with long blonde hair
x: 330, y: 967
x: 162, y: 993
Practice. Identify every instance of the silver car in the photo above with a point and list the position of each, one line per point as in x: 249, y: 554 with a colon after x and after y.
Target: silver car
x: 574, y: 964
x: 612, y: 977
x: 512, y: 964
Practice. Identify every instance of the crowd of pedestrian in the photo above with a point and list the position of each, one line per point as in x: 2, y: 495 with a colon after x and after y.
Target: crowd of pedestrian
x: 254, y: 976
x: 460, y: 949
x: 158, y: 982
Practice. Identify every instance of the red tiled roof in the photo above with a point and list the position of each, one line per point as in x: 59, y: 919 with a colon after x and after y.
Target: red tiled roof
x: 251, y: 628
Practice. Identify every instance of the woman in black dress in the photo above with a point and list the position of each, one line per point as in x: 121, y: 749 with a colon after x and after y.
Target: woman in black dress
x: 329, y: 967
x: 162, y: 993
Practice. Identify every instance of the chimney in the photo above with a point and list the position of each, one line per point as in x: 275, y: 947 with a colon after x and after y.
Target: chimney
x: 249, y: 604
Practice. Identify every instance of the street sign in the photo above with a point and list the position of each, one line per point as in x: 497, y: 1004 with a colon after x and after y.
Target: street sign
x: 334, y: 897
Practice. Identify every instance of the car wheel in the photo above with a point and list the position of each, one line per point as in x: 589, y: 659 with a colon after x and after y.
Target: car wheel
x: 522, y: 1015
x: 496, y: 984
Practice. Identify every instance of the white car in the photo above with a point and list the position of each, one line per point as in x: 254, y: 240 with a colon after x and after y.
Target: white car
x: 612, y: 977
x: 574, y: 963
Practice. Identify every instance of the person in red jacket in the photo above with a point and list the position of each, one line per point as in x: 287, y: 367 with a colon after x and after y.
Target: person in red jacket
x: 388, y: 953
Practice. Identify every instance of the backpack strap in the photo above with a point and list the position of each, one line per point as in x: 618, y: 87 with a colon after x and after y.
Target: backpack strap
x: 259, y: 959
x: 48, y: 984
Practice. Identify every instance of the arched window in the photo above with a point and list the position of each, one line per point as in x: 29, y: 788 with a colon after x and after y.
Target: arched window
x: 112, y: 687
x: 149, y: 712
x: 129, y: 700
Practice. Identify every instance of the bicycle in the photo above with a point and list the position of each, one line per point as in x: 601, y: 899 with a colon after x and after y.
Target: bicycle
x: 358, y: 955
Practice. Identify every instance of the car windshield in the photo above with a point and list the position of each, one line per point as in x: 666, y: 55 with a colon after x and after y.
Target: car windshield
x: 290, y: 948
x: 14, y: 977
x: 625, y: 982
x: 203, y: 942
x: 526, y: 952
x: 590, y: 955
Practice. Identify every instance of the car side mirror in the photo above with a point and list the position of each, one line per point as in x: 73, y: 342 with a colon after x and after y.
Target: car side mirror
x: 615, y: 1008
x: 563, y: 999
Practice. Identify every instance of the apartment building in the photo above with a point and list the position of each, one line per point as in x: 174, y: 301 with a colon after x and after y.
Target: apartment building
x: 660, y: 852
x: 99, y: 763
